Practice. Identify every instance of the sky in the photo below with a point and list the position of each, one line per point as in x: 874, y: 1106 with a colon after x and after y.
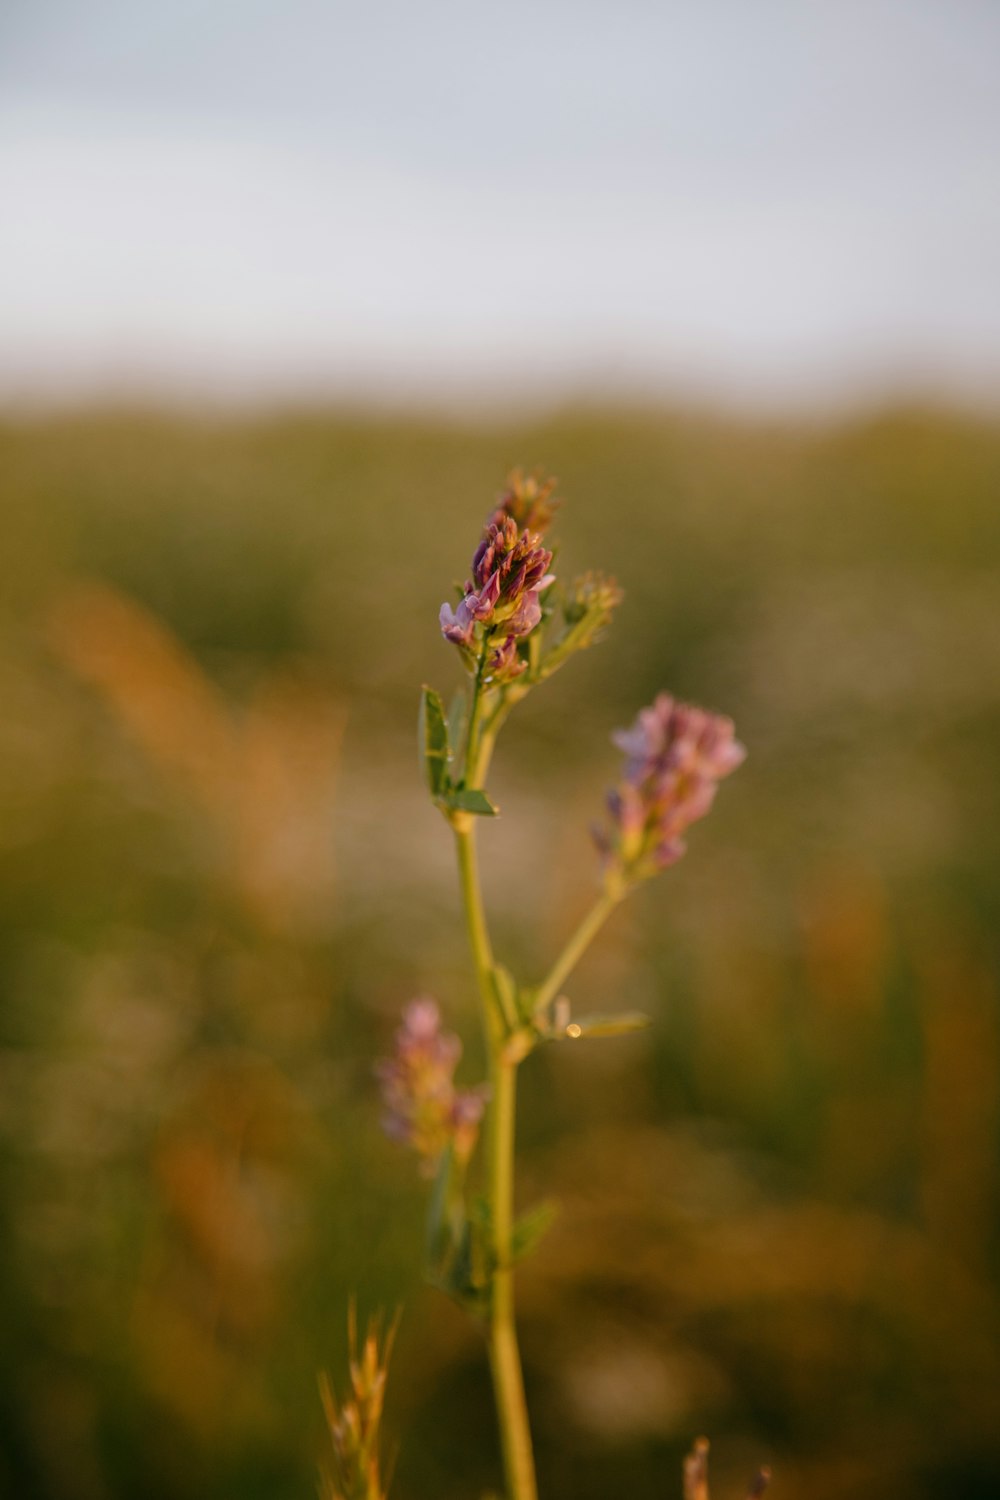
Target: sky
x: 774, y: 203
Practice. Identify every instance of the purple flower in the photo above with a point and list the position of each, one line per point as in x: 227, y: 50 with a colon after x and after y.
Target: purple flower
x: 508, y: 564
x: 675, y: 756
x: 422, y: 1107
x: 504, y: 663
x: 527, y: 614
x: 510, y: 568
x: 457, y: 624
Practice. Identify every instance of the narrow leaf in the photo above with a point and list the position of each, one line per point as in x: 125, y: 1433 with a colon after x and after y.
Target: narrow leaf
x: 438, y: 1239
x: 466, y: 1278
x: 433, y: 741
x: 530, y: 1228
x: 619, y: 1025
x: 468, y: 799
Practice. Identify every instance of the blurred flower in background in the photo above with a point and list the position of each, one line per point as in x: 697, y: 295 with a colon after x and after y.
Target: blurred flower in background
x: 676, y: 755
x: 422, y: 1107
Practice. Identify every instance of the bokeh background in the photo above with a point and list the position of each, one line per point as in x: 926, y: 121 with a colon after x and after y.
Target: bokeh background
x: 285, y: 292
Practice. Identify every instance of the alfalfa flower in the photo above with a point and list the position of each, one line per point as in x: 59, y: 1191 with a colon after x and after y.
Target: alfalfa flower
x: 676, y: 754
x: 422, y: 1107
x: 500, y: 602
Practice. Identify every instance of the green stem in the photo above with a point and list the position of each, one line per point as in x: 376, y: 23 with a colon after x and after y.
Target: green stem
x: 481, y: 736
x: 505, y: 1358
x: 472, y: 733
x: 574, y: 950
x: 475, y: 921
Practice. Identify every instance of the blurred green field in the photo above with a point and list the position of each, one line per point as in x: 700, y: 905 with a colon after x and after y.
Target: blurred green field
x: 220, y: 881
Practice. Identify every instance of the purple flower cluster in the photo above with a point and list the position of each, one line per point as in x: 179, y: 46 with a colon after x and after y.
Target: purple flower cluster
x: 675, y: 756
x: 423, y: 1108
x: 509, y: 571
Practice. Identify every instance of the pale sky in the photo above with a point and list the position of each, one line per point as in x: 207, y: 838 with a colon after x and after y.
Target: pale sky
x: 754, y: 201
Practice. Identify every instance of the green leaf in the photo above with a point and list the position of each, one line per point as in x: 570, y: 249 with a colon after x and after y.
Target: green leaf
x: 480, y: 1212
x: 619, y: 1025
x: 467, y: 1278
x: 439, y: 1239
x: 433, y: 741
x: 457, y: 1245
x: 530, y: 1228
x: 455, y: 1272
x: 468, y: 799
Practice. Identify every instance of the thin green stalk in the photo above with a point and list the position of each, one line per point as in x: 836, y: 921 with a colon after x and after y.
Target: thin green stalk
x: 464, y: 825
x: 484, y: 753
x: 483, y: 730
x: 505, y: 1359
x: 472, y: 733
x: 475, y: 921
x: 575, y: 948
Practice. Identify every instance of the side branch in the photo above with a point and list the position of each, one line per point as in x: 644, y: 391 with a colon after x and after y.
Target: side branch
x: 575, y: 948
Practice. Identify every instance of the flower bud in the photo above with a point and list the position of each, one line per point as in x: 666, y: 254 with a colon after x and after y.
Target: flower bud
x: 529, y: 501
x: 594, y: 597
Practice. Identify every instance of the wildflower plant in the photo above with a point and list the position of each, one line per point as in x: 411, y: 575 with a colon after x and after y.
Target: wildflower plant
x: 513, y: 624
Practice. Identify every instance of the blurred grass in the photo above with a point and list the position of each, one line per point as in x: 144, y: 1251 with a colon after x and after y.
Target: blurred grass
x: 219, y: 881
